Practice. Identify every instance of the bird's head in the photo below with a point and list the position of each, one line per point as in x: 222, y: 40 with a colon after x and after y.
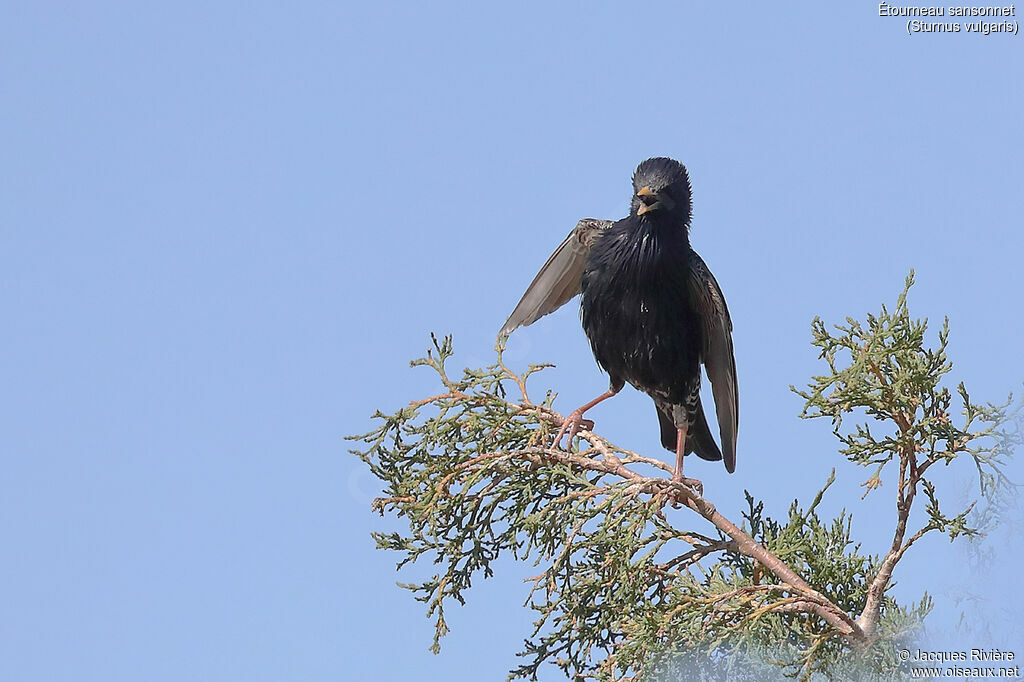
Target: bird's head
x: 661, y: 186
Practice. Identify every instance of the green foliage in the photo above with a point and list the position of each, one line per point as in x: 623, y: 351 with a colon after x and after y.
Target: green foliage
x: 625, y: 591
x: 885, y: 371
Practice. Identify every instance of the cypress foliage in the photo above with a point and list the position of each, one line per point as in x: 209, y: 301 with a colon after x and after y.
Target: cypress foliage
x: 627, y: 590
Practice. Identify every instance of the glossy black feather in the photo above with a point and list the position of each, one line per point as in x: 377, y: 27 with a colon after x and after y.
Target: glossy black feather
x: 651, y: 308
x: 717, y: 353
x: 634, y: 309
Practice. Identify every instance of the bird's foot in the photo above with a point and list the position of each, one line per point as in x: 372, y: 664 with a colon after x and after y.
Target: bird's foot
x: 572, y: 424
x: 689, y: 483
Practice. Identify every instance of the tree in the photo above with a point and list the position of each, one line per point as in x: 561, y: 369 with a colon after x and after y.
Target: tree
x: 625, y: 592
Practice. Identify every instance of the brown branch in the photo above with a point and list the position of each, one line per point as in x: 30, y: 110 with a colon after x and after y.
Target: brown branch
x: 698, y: 553
x: 807, y: 598
x: 824, y: 608
x: 520, y: 382
x: 868, y: 620
x: 915, y: 537
x: 816, y: 602
x: 902, y: 419
x: 415, y: 404
x: 906, y: 490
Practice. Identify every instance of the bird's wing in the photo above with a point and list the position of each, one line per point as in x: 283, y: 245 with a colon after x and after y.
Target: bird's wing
x: 559, y: 279
x: 717, y: 354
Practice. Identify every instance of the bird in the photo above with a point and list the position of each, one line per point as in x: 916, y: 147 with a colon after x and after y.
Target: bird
x: 652, y: 311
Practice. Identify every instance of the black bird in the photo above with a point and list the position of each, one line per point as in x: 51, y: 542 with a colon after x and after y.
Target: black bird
x: 652, y: 311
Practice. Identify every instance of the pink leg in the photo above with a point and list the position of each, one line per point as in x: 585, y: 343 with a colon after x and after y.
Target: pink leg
x: 575, y: 419
x: 677, y: 476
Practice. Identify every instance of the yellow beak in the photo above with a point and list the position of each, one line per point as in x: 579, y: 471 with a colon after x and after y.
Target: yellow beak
x: 644, y: 208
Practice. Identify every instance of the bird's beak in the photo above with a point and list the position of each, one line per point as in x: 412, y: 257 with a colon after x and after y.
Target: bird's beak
x: 648, y: 200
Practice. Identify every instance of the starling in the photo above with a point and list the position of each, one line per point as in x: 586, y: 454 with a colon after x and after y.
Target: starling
x: 652, y: 311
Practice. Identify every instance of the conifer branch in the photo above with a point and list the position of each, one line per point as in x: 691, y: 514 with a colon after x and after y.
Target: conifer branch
x: 627, y: 592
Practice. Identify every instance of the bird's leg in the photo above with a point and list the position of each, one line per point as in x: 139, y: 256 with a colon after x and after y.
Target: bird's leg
x: 575, y: 419
x: 677, y: 475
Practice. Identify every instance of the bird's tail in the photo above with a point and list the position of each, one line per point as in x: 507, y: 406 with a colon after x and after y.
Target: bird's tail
x: 698, y: 437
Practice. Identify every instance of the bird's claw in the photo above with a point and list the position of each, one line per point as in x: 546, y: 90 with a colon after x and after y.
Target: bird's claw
x: 573, y: 423
x: 693, y: 483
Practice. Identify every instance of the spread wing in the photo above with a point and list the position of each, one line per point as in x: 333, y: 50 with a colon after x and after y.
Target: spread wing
x: 559, y: 279
x: 717, y: 354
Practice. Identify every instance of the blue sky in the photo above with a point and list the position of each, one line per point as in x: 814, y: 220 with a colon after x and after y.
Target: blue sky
x: 224, y: 231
